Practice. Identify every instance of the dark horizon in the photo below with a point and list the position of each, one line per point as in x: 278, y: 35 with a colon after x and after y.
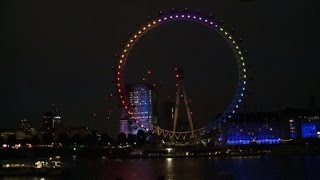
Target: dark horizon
x: 61, y: 53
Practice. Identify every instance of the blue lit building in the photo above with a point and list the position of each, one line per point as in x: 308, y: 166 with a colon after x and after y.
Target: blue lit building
x: 142, y: 100
x: 253, y: 128
x: 272, y: 127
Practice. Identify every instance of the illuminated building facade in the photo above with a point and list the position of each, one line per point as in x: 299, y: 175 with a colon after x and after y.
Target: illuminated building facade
x: 142, y: 99
x: 253, y: 128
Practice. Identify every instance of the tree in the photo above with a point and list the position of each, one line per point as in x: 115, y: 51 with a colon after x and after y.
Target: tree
x: 122, y: 139
x: 47, y: 138
x: 76, y: 139
x: 92, y: 138
x: 141, y: 139
x: 35, y: 140
x: 131, y: 139
x: 105, y: 139
x: 63, y: 138
x: 12, y: 139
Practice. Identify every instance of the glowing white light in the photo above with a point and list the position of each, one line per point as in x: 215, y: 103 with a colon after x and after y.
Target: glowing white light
x: 144, y: 28
x: 244, y: 82
x: 237, y: 106
x: 230, y: 37
x: 170, y: 17
x: 244, y: 70
x: 135, y: 36
x: 239, y: 100
x: 243, y: 64
x: 200, y: 18
x: 122, y: 56
x: 241, y: 58
x: 221, y: 29
x: 216, y: 25
x: 233, y: 111
x: 165, y: 18
x: 239, y: 52
x: 177, y: 16
x: 233, y: 42
x: 139, y: 32
x: 120, y: 61
x: 205, y: 20
x: 211, y: 22
x: 118, y: 85
x: 159, y: 20
x: 226, y: 33
x: 149, y: 25
x: 244, y: 88
x: 154, y: 22
x: 182, y: 16
x: 245, y: 76
x: 194, y: 17
x: 241, y: 94
x: 131, y: 40
x: 119, y: 66
x: 188, y: 16
x: 237, y: 47
x: 128, y: 45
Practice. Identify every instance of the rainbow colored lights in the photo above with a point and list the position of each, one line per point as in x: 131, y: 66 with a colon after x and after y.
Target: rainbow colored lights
x: 196, y: 18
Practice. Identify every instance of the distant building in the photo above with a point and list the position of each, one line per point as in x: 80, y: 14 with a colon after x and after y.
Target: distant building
x: 81, y: 130
x: 25, y: 125
x: 51, y: 122
x: 124, y: 126
x: 166, y: 112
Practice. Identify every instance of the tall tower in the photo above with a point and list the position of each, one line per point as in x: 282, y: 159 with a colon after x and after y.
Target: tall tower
x: 143, y: 102
x: 181, y: 94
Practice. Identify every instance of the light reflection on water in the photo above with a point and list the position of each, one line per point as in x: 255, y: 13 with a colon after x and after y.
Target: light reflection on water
x: 242, y: 168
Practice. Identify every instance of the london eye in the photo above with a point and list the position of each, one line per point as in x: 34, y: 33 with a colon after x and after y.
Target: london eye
x: 216, y: 28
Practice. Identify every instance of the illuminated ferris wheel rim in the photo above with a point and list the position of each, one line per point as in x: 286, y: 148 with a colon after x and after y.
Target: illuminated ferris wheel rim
x: 191, y: 17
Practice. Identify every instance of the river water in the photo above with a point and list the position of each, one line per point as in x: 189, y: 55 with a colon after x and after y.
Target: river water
x: 241, y: 168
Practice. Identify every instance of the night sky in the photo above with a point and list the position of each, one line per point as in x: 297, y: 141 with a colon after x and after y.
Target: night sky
x: 61, y: 52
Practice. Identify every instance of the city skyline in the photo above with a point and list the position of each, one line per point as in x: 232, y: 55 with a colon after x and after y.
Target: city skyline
x: 64, y: 57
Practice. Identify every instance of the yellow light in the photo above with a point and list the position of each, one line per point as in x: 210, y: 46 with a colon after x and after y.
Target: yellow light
x: 226, y: 33
x: 241, y: 58
x: 221, y: 29
x: 240, y: 52
x: 230, y: 37
x: 243, y: 64
x: 237, y: 47
x: 244, y: 70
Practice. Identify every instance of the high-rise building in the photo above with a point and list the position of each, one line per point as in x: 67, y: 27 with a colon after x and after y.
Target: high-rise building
x: 47, y: 121
x: 166, y: 112
x: 51, y: 121
x: 142, y: 99
x: 25, y: 125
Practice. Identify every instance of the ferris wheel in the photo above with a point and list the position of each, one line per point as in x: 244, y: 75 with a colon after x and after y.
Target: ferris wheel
x: 215, y: 27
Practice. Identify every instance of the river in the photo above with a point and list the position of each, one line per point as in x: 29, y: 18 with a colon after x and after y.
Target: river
x: 241, y: 168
